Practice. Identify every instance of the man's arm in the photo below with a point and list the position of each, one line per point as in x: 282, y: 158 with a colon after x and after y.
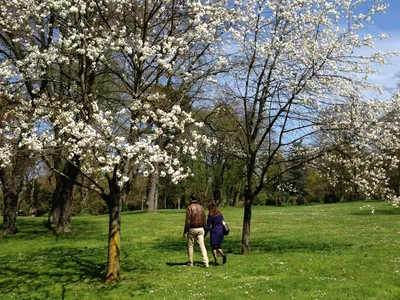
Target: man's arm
x: 187, y: 221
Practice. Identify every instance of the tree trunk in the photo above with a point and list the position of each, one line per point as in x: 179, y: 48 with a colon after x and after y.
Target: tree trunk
x: 10, y: 195
x: 151, y: 191
x: 217, y: 194
x: 60, y: 214
x: 246, y: 223
x: 236, y: 198
x: 237, y: 193
x: 115, y: 199
x: 11, y: 190
x: 32, y: 196
x: 64, y: 221
x: 55, y: 204
x: 218, y: 191
x: 156, y: 200
x: 83, y: 202
x: 228, y: 195
x: 114, y: 204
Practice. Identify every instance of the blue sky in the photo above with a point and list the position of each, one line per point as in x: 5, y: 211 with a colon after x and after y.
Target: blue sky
x: 389, y: 23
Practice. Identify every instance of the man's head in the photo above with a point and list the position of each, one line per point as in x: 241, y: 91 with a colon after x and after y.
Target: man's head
x: 193, y: 198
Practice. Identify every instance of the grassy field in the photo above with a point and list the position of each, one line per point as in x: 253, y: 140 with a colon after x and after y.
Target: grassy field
x: 336, y: 251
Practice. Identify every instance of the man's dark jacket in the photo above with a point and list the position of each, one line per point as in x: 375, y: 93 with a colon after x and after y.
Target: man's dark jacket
x: 195, y: 217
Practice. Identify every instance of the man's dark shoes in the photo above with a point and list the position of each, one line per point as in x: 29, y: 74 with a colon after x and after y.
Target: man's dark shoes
x: 224, y: 259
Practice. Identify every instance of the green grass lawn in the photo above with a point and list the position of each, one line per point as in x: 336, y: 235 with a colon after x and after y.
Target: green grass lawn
x: 336, y: 251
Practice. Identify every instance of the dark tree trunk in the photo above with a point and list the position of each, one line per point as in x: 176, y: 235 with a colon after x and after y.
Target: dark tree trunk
x: 156, y: 199
x: 10, y: 195
x: 83, y: 202
x: 114, y: 203
x: 151, y: 191
x: 238, y: 189
x: 236, y: 198
x: 55, y: 204
x: 11, y: 183
x: 246, y: 222
x: 32, y: 196
x: 60, y: 214
x: 218, y: 184
x: 64, y: 221
x: 217, y: 194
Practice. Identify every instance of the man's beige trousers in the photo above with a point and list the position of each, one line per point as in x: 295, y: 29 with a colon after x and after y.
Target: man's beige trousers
x: 198, y: 235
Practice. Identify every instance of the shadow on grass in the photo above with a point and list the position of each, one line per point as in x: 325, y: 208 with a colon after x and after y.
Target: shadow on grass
x: 160, y: 211
x: 172, y: 211
x: 385, y: 212
x: 36, y: 228
x: 233, y: 245
x: 174, y: 264
x: 184, y: 264
x: 134, y: 212
x: 31, y: 227
x: 45, y: 273
x: 180, y: 245
x: 287, y: 246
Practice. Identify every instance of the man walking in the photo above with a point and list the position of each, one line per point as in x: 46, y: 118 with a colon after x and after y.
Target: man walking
x: 195, y: 225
